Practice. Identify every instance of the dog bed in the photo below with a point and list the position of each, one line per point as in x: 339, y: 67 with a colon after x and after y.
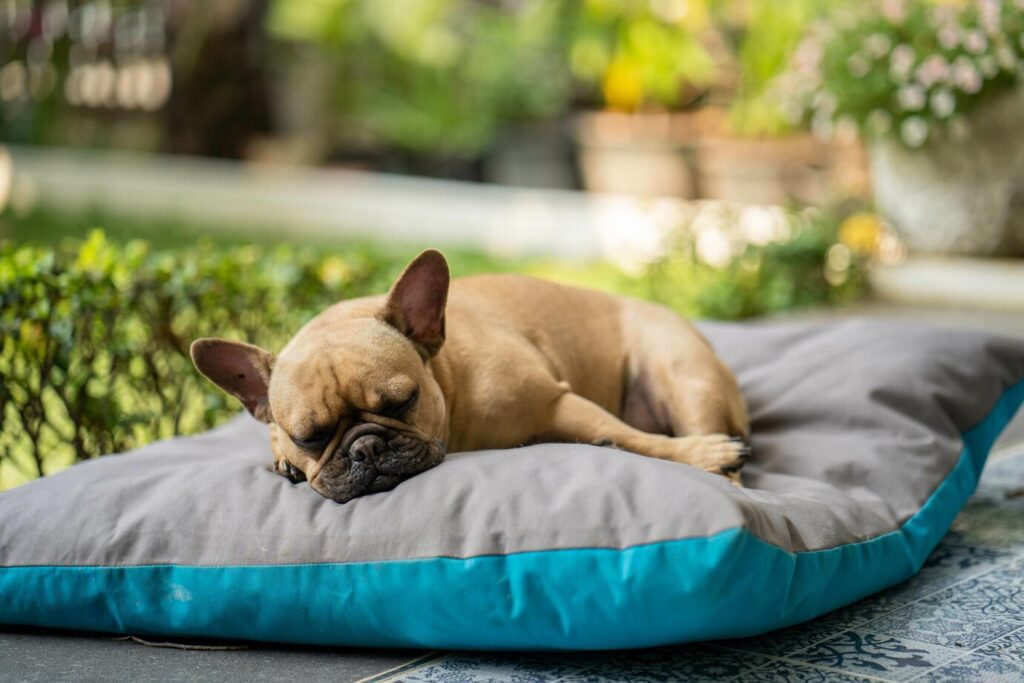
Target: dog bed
x: 868, y: 437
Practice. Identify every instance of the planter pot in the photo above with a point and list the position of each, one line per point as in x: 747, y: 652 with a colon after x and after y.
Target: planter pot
x: 300, y: 86
x: 532, y: 155
x: 958, y: 198
x: 646, y: 155
x: 771, y: 171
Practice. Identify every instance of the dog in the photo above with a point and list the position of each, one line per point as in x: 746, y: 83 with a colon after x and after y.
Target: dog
x: 375, y: 390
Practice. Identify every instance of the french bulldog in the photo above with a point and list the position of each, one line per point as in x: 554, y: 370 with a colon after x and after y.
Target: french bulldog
x: 377, y: 389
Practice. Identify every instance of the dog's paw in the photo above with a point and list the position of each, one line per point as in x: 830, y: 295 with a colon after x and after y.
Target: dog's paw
x: 289, y: 471
x: 716, y: 453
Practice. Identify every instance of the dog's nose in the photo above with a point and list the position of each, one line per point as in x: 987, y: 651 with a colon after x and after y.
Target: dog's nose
x: 365, y: 447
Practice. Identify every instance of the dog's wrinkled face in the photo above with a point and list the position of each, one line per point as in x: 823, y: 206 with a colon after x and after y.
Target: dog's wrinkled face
x: 355, y: 409
x: 352, y: 403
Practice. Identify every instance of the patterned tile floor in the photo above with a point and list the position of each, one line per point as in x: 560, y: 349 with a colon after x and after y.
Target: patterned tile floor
x: 960, y: 619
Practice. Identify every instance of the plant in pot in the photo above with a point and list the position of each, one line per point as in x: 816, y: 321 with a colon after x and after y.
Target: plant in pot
x: 749, y: 150
x: 428, y: 85
x: 640, y: 65
x: 936, y: 90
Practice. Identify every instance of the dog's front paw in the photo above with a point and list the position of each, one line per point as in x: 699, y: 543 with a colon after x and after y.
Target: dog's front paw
x: 289, y: 471
x: 716, y: 453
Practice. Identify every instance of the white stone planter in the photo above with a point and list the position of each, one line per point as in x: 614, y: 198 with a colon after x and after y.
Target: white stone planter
x: 962, y: 198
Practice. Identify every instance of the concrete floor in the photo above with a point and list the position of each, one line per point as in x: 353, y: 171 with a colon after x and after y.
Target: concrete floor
x: 35, y: 655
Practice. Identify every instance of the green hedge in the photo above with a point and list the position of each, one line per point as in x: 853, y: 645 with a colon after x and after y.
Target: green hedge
x: 95, y: 334
x: 94, y: 356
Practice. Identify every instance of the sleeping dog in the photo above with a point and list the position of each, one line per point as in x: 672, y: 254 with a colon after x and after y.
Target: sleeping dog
x: 375, y: 390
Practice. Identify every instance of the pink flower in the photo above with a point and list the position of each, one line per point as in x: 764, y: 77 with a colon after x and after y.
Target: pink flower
x: 807, y: 56
x: 894, y: 10
x: 1007, y: 58
x: 859, y: 65
x: 966, y: 75
x: 933, y: 70
x: 914, y: 131
x: 901, y: 61
x: 824, y: 103
x: 949, y: 37
x: 911, y: 97
x: 988, y: 13
x: 877, y: 45
x: 943, y: 103
x: 975, y: 42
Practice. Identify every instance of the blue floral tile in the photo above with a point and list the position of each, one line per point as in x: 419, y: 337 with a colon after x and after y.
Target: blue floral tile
x: 867, y: 609
x: 948, y: 564
x: 953, y: 558
x: 978, y: 668
x: 789, y: 640
x: 942, y: 625
x: 780, y: 671
x: 991, y: 595
x: 876, y: 655
x: 661, y: 665
x: 1010, y: 574
x: 1008, y: 647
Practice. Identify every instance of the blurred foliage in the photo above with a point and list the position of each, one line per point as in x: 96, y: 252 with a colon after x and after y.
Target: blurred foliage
x: 419, y: 77
x: 95, y: 333
x: 811, y: 267
x: 448, y: 75
x: 434, y: 75
x: 762, y: 34
x: 641, y: 53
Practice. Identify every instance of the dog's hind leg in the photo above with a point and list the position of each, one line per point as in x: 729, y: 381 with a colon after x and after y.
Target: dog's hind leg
x: 675, y: 384
x: 574, y: 418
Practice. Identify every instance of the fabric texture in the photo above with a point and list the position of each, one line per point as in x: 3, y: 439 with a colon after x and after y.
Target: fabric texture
x: 867, y: 439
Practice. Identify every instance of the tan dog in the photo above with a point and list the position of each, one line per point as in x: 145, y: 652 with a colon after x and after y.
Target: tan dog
x: 375, y: 390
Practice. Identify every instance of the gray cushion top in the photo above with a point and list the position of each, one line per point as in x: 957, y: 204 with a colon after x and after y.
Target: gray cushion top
x: 854, y: 426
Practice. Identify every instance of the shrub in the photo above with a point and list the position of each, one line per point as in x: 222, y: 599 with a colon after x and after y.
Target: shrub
x: 94, y: 357
x: 797, y: 261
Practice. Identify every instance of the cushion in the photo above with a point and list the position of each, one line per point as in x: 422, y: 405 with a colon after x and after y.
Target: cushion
x: 868, y: 437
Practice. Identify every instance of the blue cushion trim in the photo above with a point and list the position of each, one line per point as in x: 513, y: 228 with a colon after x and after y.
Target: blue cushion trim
x: 726, y: 585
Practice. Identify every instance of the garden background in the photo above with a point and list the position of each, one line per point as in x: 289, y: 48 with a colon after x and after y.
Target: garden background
x: 172, y: 169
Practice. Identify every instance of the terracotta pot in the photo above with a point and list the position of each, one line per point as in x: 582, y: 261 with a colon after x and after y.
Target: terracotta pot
x: 646, y: 155
x: 958, y: 198
x: 768, y: 171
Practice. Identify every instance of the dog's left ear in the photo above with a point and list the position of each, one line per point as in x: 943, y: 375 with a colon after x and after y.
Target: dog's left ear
x: 241, y: 369
x: 415, y: 305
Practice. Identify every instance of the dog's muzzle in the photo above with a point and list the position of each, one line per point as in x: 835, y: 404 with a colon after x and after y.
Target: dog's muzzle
x: 374, y: 455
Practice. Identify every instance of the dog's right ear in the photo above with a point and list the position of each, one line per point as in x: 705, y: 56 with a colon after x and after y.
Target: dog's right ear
x: 415, y: 305
x: 241, y: 369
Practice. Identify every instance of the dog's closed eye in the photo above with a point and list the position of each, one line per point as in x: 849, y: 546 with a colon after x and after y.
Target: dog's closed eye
x: 399, y: 408
x: 315, y: 442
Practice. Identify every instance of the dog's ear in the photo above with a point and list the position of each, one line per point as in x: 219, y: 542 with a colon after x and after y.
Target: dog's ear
x: 415, y: 305
x: 241, y: 369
